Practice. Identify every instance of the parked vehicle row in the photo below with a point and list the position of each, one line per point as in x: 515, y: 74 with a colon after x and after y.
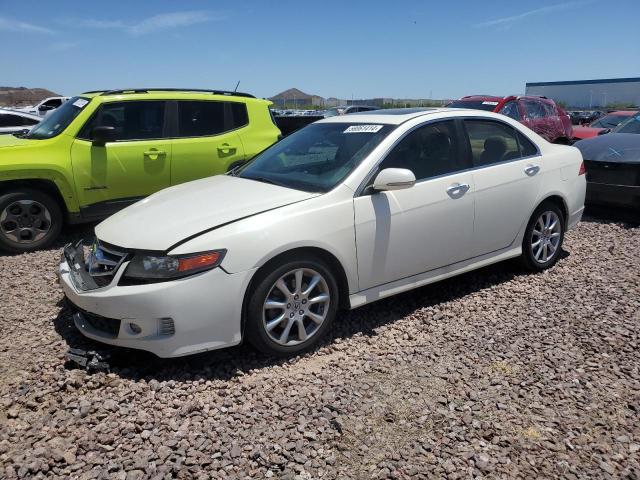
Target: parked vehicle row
x: 603, y: 124
x: 267, y: 253
x: 45, y: 106
x: 104, y: 150
x: 14, y: 121
x: 540, y: 114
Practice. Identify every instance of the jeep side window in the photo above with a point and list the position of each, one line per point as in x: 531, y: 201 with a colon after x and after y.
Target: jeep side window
x: 133, y: 120
x: 206, y: 118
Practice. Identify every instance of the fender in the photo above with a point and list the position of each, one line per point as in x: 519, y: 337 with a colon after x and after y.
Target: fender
x: 65, y: 188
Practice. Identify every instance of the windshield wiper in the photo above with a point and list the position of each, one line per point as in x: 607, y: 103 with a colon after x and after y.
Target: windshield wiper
x: 265, y: 180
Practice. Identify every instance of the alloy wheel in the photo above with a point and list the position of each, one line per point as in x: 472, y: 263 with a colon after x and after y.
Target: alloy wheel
x: 296, y: 307
x: 545, y: 237
x: 25, y: 221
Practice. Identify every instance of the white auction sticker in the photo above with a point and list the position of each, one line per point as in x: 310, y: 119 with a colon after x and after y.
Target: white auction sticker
x: 363, y: 129
x: 81, y: 102
x: 489, y: 103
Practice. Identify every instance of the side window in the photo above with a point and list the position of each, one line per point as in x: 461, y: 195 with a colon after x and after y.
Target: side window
x: 428, y: 151
x: 26, y: 121
x: 6, y: 120
x: 53, y: 103
x: 510, y: 109
x: 133, y: 120
x: 239, y: 116
x: 527, y: 148
x: 491, y: 142
x: 200, y: 119
x: 549, y: 111
x: 533, y: 109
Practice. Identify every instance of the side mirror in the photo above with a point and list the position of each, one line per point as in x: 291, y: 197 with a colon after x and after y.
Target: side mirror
x: 394, y: 179
x: 604, y: 132
x: 102, y: 135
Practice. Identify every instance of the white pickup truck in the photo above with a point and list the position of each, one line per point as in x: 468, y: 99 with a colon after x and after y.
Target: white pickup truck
x: 45, y: 106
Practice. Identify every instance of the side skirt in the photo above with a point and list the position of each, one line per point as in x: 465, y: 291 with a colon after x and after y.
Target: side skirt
x: 388, y: 289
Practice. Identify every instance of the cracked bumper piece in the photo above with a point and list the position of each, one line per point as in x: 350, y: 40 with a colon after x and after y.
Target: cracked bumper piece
x: 170, y: 319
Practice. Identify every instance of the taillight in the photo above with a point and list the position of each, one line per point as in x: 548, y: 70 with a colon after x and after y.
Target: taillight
x: 582, y: 170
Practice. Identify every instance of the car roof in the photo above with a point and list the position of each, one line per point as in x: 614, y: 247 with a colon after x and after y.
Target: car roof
x: 397, y: 116
x: 481, y: 97
x: 170, y: 93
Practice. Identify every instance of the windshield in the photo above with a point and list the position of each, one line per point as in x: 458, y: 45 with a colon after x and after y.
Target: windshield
x: 54, y: 123
x: 487, y: 105
x: 630, y: 126
x: 316, y: 158
x: 609, y: 121
x: 332, y: 112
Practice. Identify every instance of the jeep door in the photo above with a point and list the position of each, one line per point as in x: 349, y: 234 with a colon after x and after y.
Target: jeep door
x: 206, y: 141
x: 135, y: 164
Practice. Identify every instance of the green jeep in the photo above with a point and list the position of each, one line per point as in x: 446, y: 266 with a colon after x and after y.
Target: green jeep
x: 104, y: 150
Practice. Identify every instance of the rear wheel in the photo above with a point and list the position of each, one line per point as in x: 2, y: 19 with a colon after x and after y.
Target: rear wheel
x: 29, y: 220
x: 291, y: 307
x: 543, y: 237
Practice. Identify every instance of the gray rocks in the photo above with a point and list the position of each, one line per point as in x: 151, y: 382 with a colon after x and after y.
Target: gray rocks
x: 498, y: 373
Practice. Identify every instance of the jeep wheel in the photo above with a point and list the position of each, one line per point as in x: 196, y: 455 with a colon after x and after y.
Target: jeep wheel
x: 29, y: 220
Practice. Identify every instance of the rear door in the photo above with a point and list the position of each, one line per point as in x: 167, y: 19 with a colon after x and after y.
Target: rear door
x: 507, y: 181
x: 430, y: 225
x: 136, y: 164
x: 207, y: 140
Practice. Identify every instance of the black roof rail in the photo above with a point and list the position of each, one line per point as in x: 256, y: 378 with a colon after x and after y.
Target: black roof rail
x: 146, y: 90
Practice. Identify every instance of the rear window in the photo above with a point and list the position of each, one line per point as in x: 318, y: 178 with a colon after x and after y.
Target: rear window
x: 206, y: 118
x: 487, y: 105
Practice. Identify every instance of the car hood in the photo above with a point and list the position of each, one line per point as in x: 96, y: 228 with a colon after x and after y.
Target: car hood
x: 9, y: 140
x: 163, y: 219
x: 612, y: 147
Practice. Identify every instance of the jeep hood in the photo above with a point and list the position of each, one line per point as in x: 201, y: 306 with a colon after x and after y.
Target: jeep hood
x: 9, y: 140
x: 165, y: 218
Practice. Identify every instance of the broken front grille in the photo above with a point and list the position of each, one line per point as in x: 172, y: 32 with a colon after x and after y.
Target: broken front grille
x: 103, y: 262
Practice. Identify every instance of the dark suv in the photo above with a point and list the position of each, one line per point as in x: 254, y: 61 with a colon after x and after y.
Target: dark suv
x: 540, y: 114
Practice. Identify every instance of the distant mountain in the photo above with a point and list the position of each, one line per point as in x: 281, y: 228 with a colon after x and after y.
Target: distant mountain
x: 21, y: 96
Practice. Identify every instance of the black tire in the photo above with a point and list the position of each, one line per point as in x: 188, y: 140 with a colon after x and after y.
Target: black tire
x: 10, y: 205
x: 528, y: 257
x: 255, y: 329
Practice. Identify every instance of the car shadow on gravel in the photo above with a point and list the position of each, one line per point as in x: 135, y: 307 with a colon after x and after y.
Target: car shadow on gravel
x: 237, y: 361
x: 627, y: 218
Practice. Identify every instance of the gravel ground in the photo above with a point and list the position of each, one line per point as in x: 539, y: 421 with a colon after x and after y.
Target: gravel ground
x: 496, y: 373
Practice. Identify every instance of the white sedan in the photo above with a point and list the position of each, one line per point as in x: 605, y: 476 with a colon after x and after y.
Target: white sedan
x: 344, y: 212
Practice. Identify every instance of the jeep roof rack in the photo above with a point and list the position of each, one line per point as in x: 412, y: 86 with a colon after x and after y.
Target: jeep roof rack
x: 146, y: 90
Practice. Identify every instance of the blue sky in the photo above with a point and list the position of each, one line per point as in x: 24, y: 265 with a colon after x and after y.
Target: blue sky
x: 342, y: 48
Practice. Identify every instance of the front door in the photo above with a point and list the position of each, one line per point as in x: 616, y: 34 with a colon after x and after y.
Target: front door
x: 207, y: 141
x: 430, y: 225
x: 507, y: 181
x: 136, y: 164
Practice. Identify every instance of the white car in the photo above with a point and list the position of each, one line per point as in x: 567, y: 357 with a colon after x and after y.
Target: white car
x: 344, y: 212
x: 13, y: 121
x: 45, y: 106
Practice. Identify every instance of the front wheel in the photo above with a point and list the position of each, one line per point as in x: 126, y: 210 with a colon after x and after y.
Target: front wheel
x: 543, y: 238
x: 29, y: 220
x: 291, y: 307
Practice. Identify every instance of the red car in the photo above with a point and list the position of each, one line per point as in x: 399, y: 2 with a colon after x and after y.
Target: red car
x: 608, y: 121
x: 540, y: 114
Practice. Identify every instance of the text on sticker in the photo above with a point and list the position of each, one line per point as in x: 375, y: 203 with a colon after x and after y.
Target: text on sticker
x: 363, y: 129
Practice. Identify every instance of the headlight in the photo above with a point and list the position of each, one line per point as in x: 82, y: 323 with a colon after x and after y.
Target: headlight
x: 146, y: 266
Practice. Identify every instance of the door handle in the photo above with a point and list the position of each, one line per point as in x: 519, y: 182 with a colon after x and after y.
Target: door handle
x: 226, y: 149
x: 153, y: 154
x: 531, y: 170
x: 457, y: 190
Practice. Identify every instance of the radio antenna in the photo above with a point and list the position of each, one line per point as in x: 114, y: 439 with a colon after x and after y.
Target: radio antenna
x: 237, y: 85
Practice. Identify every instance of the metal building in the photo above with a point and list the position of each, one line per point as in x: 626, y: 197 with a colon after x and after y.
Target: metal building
x: 590, y: 93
